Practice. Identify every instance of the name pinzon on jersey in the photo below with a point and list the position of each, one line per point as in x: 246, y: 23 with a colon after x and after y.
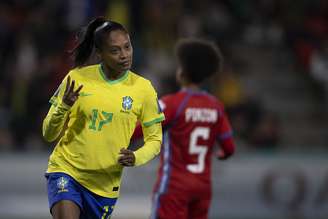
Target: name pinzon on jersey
x: 127, y: 103
x: 62, y: 184
x: 201, y: 115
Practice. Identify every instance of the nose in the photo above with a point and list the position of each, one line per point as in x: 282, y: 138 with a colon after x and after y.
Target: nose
x: 123, y: 54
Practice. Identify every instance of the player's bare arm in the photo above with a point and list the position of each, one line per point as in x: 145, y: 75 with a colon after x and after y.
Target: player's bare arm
x: 70, y: 96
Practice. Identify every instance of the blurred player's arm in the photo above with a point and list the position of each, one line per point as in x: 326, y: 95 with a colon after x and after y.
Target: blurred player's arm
x: 225, y: 139
x: 227, y: 149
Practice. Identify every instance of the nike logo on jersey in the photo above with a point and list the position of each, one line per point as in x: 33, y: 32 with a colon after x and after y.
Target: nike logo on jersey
x: 83, y: 94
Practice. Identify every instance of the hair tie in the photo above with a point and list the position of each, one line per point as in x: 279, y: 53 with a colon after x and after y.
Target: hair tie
x: 104, y: 25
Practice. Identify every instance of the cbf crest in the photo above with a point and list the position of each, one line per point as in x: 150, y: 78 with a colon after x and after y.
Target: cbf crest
x: 127, y: 103
x: 62, y: 183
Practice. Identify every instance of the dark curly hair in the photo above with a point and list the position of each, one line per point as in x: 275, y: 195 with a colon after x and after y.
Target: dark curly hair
x: 199, y: 59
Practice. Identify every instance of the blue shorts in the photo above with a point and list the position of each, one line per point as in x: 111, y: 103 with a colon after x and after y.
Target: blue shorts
x: 63, y: 187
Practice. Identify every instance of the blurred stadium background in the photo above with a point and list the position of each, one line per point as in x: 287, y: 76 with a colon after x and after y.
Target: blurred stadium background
x: 274, y: 85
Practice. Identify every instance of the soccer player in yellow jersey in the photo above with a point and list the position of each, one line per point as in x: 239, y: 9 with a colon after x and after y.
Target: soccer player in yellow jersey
x: 100, y: 105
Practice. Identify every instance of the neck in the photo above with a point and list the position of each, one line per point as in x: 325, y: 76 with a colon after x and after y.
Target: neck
x: 110, y: 73
x: 192, y: 87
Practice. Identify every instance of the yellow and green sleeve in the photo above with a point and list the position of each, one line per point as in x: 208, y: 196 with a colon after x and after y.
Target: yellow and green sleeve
x: 151, y: 148
x: 55, y: 121
x: 57, y: 115
x: 151, y: 118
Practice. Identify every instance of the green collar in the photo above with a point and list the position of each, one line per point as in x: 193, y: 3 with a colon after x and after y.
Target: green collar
x: 125, y: 75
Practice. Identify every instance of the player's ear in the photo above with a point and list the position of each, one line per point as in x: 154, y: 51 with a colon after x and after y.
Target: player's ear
x: 98, y: 53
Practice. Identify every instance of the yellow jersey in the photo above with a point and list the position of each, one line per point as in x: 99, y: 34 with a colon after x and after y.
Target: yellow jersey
x: 100, y: 123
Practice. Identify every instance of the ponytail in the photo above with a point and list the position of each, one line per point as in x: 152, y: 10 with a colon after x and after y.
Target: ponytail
x: 83, y: 50
x: 93, y: 36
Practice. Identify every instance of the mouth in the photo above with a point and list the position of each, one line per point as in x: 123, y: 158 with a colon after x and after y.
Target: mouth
x: 125, y: 64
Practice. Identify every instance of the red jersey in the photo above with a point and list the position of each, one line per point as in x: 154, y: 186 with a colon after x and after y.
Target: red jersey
x: 194, y: 122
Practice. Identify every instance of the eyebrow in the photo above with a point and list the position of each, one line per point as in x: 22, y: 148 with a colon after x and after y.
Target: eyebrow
x: 124, y: 44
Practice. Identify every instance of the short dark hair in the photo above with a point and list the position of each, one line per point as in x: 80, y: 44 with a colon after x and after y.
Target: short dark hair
x: 199, y: 59
x: 93, y: 36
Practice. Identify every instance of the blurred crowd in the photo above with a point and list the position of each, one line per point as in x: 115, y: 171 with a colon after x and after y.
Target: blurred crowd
x: 37, y: 35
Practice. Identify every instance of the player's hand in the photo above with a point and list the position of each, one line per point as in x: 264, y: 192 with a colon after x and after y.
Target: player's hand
x: 127, y: 158
x: 221, y: 155
x: 70, y: 96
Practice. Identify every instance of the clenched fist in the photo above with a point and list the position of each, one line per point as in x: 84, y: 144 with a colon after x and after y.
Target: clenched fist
x: 127, y: 158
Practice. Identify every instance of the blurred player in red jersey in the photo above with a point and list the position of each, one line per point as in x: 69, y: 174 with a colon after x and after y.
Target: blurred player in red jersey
x: 195, y: 122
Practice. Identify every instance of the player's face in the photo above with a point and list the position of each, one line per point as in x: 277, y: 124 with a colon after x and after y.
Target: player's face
x: 117, y: 51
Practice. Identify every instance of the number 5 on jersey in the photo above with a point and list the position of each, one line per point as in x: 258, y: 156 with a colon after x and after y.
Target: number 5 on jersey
x: 107, y: 118
x: 200, y: 150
